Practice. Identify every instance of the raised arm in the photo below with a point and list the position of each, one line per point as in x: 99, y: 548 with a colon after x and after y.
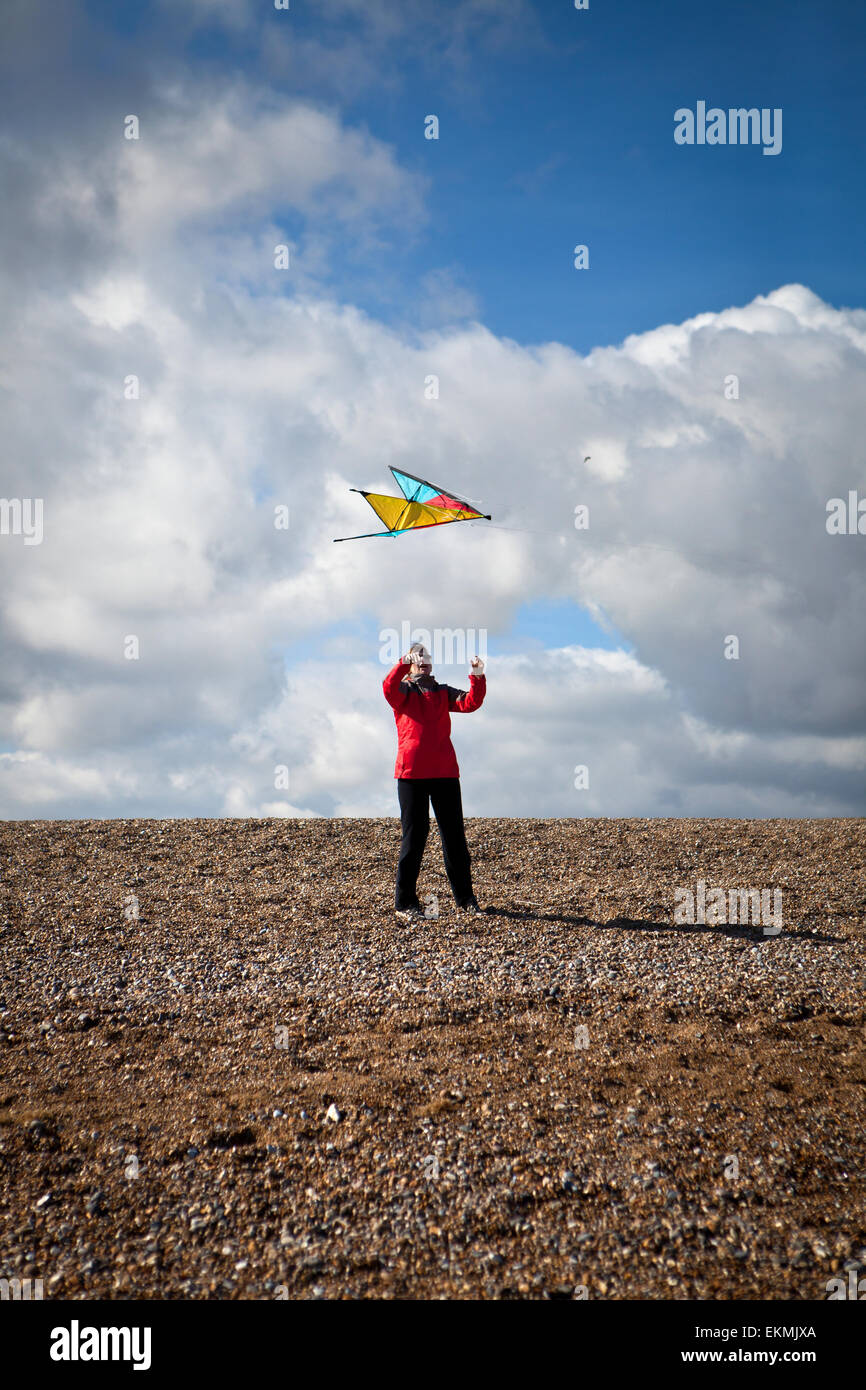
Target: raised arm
x: 391, y: 685
x: 465, y: 701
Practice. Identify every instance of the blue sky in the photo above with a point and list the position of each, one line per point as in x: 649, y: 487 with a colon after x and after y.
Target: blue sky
x: 563, y: 134
x: 536, y: 626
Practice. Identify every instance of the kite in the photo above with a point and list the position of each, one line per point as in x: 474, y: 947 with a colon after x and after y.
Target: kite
x: 422, y: 504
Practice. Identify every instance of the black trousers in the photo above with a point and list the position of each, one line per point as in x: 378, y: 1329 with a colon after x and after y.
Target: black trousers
x: 415, y: 796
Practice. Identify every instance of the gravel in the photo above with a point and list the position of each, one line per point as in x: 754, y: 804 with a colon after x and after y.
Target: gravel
x: 229, y: 1072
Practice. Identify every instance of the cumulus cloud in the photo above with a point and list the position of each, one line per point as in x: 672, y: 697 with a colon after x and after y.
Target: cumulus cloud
x: 205, y: 153
x: 256, y: 645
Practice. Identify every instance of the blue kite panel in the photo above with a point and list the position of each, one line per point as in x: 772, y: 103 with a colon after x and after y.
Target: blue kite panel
x: 411, y: 488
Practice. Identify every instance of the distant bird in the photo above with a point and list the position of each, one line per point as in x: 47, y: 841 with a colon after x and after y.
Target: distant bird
x: 587, y: 459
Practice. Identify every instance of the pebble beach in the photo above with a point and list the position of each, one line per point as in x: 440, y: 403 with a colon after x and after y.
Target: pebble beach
x: 228, y: 1072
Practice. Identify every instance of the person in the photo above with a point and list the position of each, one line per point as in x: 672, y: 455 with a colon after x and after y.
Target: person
x: 427, y: 771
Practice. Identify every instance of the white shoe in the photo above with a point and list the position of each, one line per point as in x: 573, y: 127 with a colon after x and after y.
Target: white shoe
x: 411, y: 914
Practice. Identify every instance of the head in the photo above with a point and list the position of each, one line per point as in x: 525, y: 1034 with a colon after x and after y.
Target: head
x: 422, y: 662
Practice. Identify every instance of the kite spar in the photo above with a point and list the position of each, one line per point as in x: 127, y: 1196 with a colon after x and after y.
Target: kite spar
x: 422, y: 504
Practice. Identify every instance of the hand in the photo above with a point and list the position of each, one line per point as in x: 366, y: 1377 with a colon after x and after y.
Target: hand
x: 477, y: 666
x: 407, y: 659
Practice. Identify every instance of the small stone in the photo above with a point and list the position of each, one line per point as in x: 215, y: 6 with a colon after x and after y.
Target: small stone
x: 334, y: 1114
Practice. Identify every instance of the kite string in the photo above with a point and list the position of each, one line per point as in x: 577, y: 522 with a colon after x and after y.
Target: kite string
x: 522, y: 529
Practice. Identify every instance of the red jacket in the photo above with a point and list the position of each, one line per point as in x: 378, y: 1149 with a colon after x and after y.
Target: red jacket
x: 423, y: 719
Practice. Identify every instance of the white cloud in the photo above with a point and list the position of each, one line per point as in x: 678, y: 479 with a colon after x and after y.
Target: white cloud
x: 707, y: 516
x: 606, y: 458
x: 202, y: 153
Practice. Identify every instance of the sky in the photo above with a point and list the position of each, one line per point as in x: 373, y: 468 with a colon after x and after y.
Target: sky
x: 696, y: 647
